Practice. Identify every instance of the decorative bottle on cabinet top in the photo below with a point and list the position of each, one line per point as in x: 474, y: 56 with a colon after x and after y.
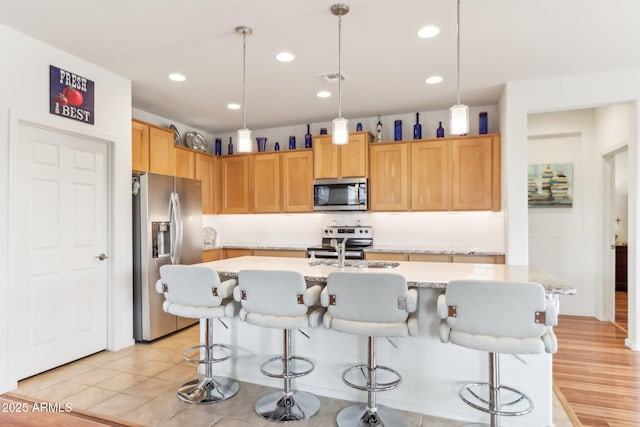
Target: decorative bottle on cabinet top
x: 230, y: 147
x: 292, y: 143
x: 218, y: 147
x: 276, y: 146
x: 307, y: 138
x: 440, y: 131
x: 483, y: 124
x: 417, y: 128
x: 379, y: 130
x: 397, y: 130
x: 359, y: 127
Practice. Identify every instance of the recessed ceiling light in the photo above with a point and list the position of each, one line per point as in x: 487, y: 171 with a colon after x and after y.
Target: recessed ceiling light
x: 433, y: 80
x: 428, y: 31
x: 233, y: 106
x: 324, y: 94
x: 285, y: 57
x: 177, y: 77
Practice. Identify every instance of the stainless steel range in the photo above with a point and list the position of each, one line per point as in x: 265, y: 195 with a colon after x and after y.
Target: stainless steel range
x: 358, y: 238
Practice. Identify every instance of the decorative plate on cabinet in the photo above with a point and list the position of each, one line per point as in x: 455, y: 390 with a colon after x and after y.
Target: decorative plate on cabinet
x: 196, y: 141
x: 177, y: 139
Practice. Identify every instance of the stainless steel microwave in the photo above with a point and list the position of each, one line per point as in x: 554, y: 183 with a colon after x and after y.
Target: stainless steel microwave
x: 344, y: 194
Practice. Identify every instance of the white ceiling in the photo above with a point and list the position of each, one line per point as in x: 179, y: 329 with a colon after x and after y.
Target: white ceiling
x: 385, y: 62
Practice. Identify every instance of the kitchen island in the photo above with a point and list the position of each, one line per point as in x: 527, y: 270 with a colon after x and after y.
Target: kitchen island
x: 432, y: 372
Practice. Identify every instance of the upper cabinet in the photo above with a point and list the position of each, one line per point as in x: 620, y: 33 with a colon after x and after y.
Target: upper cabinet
x: 162, y: 152
x: 341, y: 161
x: 185, y: 162
x: 139, y: 146
x: 208, y: 172
x: 441, y: 174
x: 234, y: 181
x: 264, y: 175
x: 389, y: 182
x: 297, y: 181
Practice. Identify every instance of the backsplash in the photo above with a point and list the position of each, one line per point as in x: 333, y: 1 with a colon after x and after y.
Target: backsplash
x: 483, y: 231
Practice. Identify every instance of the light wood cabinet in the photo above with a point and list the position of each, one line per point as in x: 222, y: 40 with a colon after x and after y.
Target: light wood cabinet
x: 341, y: 161
x: 385, y: 256
x: 280, y: 253
x: 234, y: 181
x: 208, y: 172
x: 234, y: 253
x: 389, y: 182
x: 430, y: 175
x: 265, y: 185
x: 430, y: 257
x: 297, y: 181
x: 162, y: 156
x: 185, y: 162
x: 478, y: 259
x: 139, y: 146
x: 211, y: 255
x: 475, y: 173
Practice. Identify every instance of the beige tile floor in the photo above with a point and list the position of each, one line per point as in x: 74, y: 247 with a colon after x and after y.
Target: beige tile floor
x: 138, y: 385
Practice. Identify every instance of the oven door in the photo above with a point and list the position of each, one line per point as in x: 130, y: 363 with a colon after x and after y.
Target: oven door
x: 323, y: 253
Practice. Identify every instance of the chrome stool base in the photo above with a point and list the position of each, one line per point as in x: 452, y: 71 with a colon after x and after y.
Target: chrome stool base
x: 277, y: 406
x: 208, y: 390
x: 361, y: 416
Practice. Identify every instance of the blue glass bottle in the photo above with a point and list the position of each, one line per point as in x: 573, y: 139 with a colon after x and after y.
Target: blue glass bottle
x: 230, y: 146
x: 483, y: 125
x: 218, y: 147
x: 417, y: 128
x: 359, y: 127
x: 397, y: 130
x: 276, y: 146
x: 308, y: 142
x: 440, y: 131
x: 292, y: 143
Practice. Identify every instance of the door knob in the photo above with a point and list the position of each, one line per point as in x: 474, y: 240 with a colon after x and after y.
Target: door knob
x: 102, y: 257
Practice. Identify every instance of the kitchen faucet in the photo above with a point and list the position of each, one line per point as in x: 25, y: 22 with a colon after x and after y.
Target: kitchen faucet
x: 340, y: 250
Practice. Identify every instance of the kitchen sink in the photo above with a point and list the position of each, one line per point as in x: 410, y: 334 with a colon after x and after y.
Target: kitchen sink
x: 357, y: 263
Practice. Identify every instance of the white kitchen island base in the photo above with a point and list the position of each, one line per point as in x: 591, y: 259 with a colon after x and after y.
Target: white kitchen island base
x: 432, y: 372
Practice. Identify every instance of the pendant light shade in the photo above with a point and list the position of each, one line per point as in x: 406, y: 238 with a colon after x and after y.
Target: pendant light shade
x: 244, y: 135
x: 459, y: 113
x: 339, y: 126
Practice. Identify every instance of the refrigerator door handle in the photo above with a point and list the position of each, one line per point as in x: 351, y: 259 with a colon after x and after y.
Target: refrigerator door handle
x: 180, y: 229
x: 173, y: 228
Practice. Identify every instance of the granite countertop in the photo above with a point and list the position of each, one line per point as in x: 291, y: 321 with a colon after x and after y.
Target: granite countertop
x: 427, y: 250
x: 435, y: 275
x: 371, y: 249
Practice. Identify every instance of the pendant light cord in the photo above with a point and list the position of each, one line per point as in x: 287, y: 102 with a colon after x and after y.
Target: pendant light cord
x: 458, y: 49
x: 340, y: 66
x: 244, y: 79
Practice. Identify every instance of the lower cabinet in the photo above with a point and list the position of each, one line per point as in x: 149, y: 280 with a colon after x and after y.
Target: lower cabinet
x: 399, y: 256
x: 234, y: 253
x: 211, y: 255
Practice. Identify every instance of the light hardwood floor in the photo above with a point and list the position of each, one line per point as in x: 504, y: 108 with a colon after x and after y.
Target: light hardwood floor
x: 596, y: 373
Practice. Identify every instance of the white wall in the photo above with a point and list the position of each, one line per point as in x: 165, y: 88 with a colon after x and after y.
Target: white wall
x: 566, y: 242
x: 555, y: 94
x: 24, y: 84
x: 478, y: 231
x: 428, y: 119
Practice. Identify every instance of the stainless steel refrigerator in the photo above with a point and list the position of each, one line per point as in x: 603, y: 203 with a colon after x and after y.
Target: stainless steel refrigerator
x: 167, y: 229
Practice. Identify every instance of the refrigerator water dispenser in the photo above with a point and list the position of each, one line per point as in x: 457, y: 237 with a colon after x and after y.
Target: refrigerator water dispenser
x: 161, y: 239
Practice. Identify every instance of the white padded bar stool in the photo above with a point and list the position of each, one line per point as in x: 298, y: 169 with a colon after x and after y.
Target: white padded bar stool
x: 197, y: 293
x: 497, y: 317
x: 282, y: 300
x: 371, y: 305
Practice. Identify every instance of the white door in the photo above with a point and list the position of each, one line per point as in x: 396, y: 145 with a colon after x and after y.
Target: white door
x: 60, y: 210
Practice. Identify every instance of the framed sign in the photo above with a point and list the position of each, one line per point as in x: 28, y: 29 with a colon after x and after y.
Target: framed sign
x: 71, y: 95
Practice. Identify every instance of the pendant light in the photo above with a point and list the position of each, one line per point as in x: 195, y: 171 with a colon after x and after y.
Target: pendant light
x: 244, y: 135
x: 459, y: 113
x: 339, y: 131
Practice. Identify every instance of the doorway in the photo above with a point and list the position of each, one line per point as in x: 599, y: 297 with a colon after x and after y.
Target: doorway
x: 58, y: 237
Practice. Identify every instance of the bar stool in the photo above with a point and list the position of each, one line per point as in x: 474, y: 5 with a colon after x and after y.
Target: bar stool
x: 196, y: 293
x: 281, y: 299
x: 497, y: 317
x: 372, y: 305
